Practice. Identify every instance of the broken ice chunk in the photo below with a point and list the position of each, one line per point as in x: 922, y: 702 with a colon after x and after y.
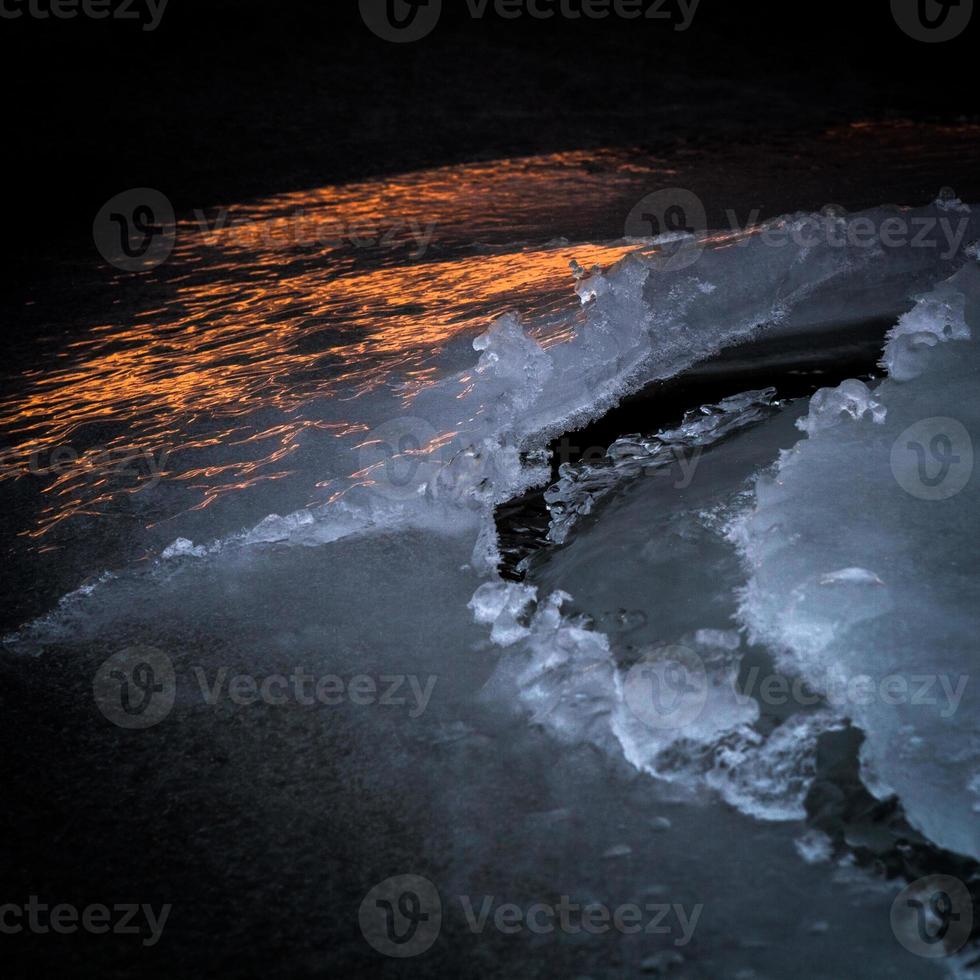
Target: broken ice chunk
x: 850, y: 399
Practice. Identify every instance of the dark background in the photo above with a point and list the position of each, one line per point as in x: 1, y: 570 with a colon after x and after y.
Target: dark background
x: 229, y: 99
x: 233, y: 99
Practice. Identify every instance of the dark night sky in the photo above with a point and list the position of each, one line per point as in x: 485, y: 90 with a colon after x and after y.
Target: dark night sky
x: 233, y: 98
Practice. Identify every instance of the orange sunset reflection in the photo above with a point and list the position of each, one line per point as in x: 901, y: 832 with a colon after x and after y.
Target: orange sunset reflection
x: 266, y: 310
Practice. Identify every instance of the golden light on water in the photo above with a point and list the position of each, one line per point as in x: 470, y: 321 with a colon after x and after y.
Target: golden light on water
x: 226, y: 357
x: 241, y: 359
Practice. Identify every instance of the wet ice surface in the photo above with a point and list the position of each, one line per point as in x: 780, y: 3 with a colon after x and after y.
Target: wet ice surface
x: 535, y: 769
x: 279, y: 819
x: 861, y: 558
